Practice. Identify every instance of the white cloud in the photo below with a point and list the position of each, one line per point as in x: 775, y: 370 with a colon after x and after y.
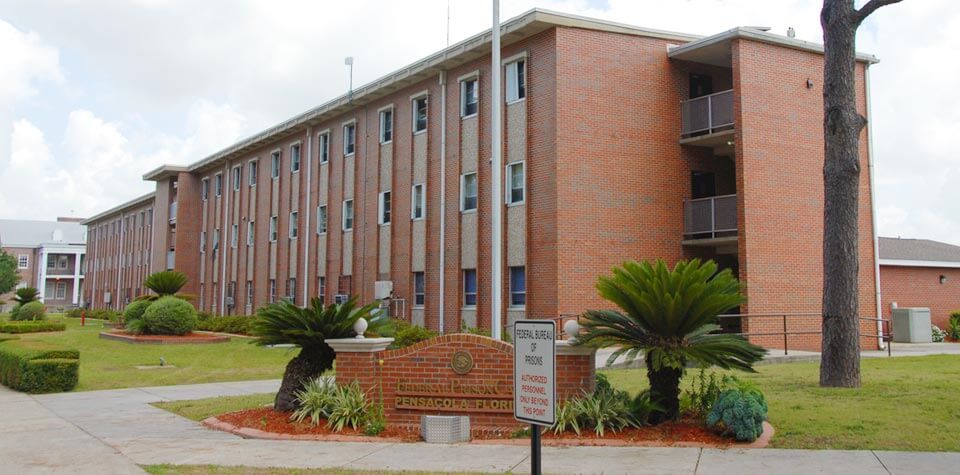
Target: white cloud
x: 25, y: 59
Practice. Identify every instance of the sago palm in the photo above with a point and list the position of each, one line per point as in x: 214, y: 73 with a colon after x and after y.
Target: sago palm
x: 670, y: 316
x: 167, y: 282
x: 309, y: 328
x: 25, y: 295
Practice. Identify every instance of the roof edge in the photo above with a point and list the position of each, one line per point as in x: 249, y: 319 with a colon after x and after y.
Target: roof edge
x: 115, y: 209
x: 763, y: 37
x: 918, y: 263
x: 164, y: 171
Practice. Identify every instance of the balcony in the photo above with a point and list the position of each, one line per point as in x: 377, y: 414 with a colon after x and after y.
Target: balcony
x: 173, y: 213
x: 710, y: 221
x: 707, y: 121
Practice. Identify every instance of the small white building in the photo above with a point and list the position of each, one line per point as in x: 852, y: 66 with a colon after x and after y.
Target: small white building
x: 50, y: 257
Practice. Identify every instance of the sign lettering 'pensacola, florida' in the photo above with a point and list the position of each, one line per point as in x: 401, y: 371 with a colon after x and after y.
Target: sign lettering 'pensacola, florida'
x: 479, y: 396
x: 534, y: 372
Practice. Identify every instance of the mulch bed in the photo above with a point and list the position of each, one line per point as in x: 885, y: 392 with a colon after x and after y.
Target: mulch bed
x: 265, y: 423
x: 195, y: 337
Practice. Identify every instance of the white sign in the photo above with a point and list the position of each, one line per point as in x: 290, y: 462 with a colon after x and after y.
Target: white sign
x: 534, y: 371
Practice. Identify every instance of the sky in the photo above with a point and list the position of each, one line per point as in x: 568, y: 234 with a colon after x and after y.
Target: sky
x: 94, y: 94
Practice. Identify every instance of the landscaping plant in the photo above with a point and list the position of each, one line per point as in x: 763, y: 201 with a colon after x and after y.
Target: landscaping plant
x: 407, y: 334
x: 30, y: 311
x: 349, y: 407
x: 706, y: 390
x: 9, y: 273
x: 953, y: 329
x: 937, y: 334
x: 25, y: 295
x: 164, y: 283
x: 670, y: 317
x: 133, y: 316
x: 309, y: 328
x: 315, y: 400
x: 169, y: 315
x: 739, y: 412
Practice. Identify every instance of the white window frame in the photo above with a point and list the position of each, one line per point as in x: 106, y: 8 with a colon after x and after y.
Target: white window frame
x: 23, y: 261
x: 474, y: 78
x: 510, y: 291
x: 343, y: 215
x: 234, y: 235
x: 476, y: 286
x: 384, y: 215
x: 294, y: 225
x: 253, y: 170
x: 513, y: 78
x: 295, y: 159
x: 323, y: 146
x: 60, y: 290
x: 422, y: 201
x: 205, y: 189
x: 273, y: 291
x: 420, y: 96
x: 249, y: 290
x: 63, y: 261
x: 276, y: 157
x: 273, y: 228
x: 203, y: 242
x: 508, y: 190
x: 237, y: 177
x: 386, y: 130
x: 218, y: 185
x: 463, y: 193
x: 322, y: 217
x: 350, y: 126
x: 423, y: 277
x: 251, y: 230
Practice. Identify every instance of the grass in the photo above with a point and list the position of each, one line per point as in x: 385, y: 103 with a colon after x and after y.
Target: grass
x: 201, y: 409
x: 108, y: 364
x: 223, y: 470
x: 905, y: 403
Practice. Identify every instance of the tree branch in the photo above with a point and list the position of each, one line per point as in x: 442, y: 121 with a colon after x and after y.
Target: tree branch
x: 871, y: 7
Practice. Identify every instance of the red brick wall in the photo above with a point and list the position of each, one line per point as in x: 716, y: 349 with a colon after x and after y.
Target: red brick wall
x: 921, y: 287
x: 429, y: 362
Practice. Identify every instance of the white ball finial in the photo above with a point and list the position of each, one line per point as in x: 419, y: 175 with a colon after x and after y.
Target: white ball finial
x: 572, y: 329
x: 360, y: 326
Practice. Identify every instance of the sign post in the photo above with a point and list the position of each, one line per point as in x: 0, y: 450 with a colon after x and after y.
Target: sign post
x: 535, y: 379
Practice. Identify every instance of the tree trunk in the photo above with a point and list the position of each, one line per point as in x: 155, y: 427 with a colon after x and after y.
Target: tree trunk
x: 665, y: 391
x: 842, y: 124
x: 309, y: 364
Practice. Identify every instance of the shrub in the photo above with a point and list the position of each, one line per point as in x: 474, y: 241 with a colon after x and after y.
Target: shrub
x: 349, y: 407
x: 238, y: 324
x: 376, y: 421
x: 953, y: 329
x: 32, y: 327
x: 167, y: 282
x: 75, y: 312
x: 31, y: 311
x: 133, y: 316
x: 605, y: 408
x: 315, y: 400
x: 35, y: 367
x: 25, y: 295
x: 938, y: 335
x: 407, y: 334
x: 170, y: 316
x: 706, y: 390
x: 739, y: 413
x: 506, y: 336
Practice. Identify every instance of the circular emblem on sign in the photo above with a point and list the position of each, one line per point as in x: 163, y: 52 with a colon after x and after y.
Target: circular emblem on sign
x: 462, y: 362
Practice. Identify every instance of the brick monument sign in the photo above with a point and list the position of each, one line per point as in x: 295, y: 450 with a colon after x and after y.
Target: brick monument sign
x: 458, y: 374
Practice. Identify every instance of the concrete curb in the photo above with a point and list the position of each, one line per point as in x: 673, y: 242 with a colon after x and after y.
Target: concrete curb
x: 164, y: 339
x: 249, y: 433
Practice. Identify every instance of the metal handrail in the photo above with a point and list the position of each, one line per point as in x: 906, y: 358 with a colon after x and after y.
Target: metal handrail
x: 884, y: 334
x: 693, y: 222
x: 706, y: 113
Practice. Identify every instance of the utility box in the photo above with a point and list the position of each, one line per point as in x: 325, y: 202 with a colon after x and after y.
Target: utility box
x: 912, y: 325
x: 445, y: 429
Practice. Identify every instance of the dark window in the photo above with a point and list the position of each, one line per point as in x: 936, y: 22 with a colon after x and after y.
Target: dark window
x: 469, y: 98
x: 419, y: 289
x: 218, y: 185
x: 420, y: 114
x: 252, y: 174
x: 349, y: 139
x: 295, y: 158
x: 518, y: 286
x: 275, y: 165
x: 324, y: 147
x: 469, y: 287
x: 386, y: 126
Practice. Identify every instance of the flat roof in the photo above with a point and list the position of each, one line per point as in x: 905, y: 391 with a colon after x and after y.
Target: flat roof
x: 715, y: 49
x: 121, y: 207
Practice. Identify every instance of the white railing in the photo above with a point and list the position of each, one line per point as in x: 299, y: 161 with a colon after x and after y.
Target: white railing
x: 706, y: 114
x: 708, y: 218
x: 173, y: 212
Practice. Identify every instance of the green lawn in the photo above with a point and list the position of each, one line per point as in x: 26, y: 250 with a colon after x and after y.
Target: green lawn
x: 905, y: 404
x: 108, y: 364
x: 201, y: 409
x: 221, y: 470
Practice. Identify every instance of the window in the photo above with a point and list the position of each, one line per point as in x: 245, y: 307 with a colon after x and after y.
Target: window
x: 250, y: 232
x: 205, y: 189
x: 234, y: 231
x: 322, y: 289
x: 419, y: 202
x: 203, y: 242
x: 515, y: 183
x: 469, y: 97
x: 216, y: 240
x: 150, y: 216
x: 273, y: 290
x: 249, y: 293
x: 322, y: 219
x: 252, y: 173
x: 292, y: 289
x: 51, y: 261
x: 294, y: 225
x: 236, y: 178
x: 273, y: 229
x: 469, y: 287
x: 347, y: 215
x: 275, y: 165
x: 420, y: 114
x: 61, y: 290
x: 386, y: 125
x: 516, y: 81
x: 295, y: 158
x: 419, y: 289
x: 218, y: 184
x: 323, y: 142
x: 468, y: 192
x: 349, y: 138
x: 63, y: 262
x: 518, y: 286
x: 23, y: 261
x: 384, y: 208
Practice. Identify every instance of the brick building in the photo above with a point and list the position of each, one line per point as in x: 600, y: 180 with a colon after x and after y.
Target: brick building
x: 50, y: 258
x: 920, y: 273
x: 619, y: 143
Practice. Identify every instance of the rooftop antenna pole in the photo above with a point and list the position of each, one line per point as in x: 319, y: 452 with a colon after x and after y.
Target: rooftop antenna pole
x: 448, y: 22
x: 349, y: 62
x: 497, y: 168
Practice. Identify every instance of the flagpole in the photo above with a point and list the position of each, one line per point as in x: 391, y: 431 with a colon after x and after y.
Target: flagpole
x: 496, y: 261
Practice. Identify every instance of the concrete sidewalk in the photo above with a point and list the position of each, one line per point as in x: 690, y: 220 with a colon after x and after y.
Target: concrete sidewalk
x: 101, y: 432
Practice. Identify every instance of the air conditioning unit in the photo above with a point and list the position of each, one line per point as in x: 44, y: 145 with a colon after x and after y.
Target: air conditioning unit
x: 106, y: 297
x: 382, y: 289
x: 340, y: 299
x: 229, y: 301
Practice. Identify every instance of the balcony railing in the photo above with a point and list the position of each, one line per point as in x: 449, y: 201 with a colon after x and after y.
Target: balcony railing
x: 173, y: 212
x: 710, y: 218
x: 707, y: 114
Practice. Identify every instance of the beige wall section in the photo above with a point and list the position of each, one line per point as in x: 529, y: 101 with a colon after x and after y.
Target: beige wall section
x: 416, y: 315
x: 469, y: 146
x: 347, y: 258
x: 205, y: 227
x: 418, y: 229
x: 468, y: 241
x: 251, y: 214
x: 161, y: 226
x: 274, y: 211
x: 515, y: 314
x: 348, y: 177
x: 468, y: 317
x: 224, y: 237
x: 418, y: 258
x: 293, y: 247
x: 322, y: 255
x: 420, y: 159
x: 386, y: 166
x: 383, y: 258
x: 235, y: 253
x: 516, y: 131
x: 324, y: 187
x: 517, y: 235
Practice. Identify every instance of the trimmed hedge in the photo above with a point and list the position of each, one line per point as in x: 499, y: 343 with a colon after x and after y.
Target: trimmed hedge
x: 29, y: 312
x: 170, y: 316
x: 36, y: 367
x: 32, y: 327
x: 236, y: 324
